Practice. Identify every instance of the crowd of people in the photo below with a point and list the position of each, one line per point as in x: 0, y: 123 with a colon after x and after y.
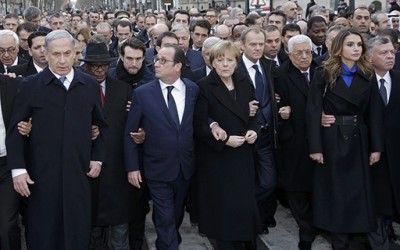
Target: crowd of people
x: 221, y: 114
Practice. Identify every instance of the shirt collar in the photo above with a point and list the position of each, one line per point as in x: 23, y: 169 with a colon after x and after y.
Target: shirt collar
x: 249, y: 64
x: 386, y: 77
x: 37, y: 67
x: 69, y: 76
x: 178, y: 84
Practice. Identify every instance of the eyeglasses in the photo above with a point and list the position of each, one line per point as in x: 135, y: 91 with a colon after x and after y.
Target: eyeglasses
x: 300, y: 53
x: 162, y: 61
x: 9, y: 51
x: 98, y: 66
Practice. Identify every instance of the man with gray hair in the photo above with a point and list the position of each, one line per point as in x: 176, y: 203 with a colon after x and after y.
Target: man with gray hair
x: 58, y: 22
x: 292, y: 81
x: 205, y: 51
x: 9, y: 47
x: 33, y: 15
x: 64, y: 104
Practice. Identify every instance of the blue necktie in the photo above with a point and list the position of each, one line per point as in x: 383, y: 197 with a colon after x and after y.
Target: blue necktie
x: 259, y: 84
x: 383, y: 91
x: 172, y: 106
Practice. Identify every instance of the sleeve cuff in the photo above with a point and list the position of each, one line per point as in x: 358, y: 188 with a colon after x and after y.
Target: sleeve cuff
x: 18, y: 171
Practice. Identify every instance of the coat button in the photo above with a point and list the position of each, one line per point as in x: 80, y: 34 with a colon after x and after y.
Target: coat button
x: 345, y: 137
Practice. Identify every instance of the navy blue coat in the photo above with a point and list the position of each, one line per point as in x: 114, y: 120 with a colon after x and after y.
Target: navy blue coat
x: 166, y: 149
x: 58, y: 152
x: 194, y: 59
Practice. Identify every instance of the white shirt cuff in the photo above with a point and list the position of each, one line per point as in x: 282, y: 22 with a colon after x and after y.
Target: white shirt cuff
x: 18, y: 171
x: 213, y: 124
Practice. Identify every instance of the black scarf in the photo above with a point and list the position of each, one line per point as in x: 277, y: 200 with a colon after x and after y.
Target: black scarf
x: 124, y: 75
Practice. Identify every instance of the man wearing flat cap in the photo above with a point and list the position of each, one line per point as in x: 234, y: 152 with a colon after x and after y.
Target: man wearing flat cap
x: 113, y: 198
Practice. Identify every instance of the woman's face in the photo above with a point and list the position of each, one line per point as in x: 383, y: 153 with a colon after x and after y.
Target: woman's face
x: 352, y: 49
x: 225, y: 65
x: 81, y: 40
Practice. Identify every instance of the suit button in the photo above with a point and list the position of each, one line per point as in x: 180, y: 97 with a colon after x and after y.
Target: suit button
x: 345, y: 137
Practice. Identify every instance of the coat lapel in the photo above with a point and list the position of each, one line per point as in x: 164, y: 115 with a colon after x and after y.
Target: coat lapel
x: 159, y: 98
x: 395, y: 90
x: 351, y: 94
x: 297, y: 79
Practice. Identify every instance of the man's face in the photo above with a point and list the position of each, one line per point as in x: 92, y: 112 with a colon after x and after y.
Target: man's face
x: 97, y: 70
x: 382, y: 58
x: 23, y: 39
x: 291, y: 11
x: 301, y: 56
x: 60, y: 56
x: 140, y: 23
x: 183, y: 38
x: 167, y: 41
x: 181, y: 19
x: 11, y: 24
x: 94, y: 18
x: 75, y: 21
x: 37, y: 51
x: 8, y: 50
x: 212, y: 17
x: 317, y: 33
x: 123, y: 33
x: 384, y: 21
x: 133, y: 60
x: 35, y: 22
x: 272, y: 44
x: 167, y: 70
x: 110, y: 18
x: 361, y: 20
x: 206, y: 56
x: 231, y: 22
x: 156, y: 32
x: 253, y: 46
x: 199, y: 34
x: 106, y: 33
x: 237, y: 32
x: 342, y: 22
x: 57, y: 23
x: 150, y: 22
x: 289, y: 34
x: 276, y: 20
x: 329, y: 39
x: 78, y: 54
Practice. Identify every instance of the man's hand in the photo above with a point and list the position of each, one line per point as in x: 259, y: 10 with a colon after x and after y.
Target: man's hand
x: 253, y: 107
x: 128, y: 106
x: 21, y: 184
x: 327, y: 120
x: 374, y: 157
x: 24, y: 128
x: 94, y: 169
x: 235, y: 141
x: 95, y: 132
x: 250, y: 137
x: 138, y: 137
x: 218, y: 133
x: 318, y: 157
x: 285, y: 112
x: 135, y: 178
x: 12, y: 75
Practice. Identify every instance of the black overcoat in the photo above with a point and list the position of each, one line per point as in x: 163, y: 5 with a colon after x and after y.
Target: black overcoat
x: 59, y: 150
x: 342, y: 195
x: 226, y: 175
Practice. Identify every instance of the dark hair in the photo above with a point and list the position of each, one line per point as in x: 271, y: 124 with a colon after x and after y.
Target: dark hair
x: 105, y: 15
x: 389, y: 33
x: 28, y: 27
x: 11, y: 15
x: 183, y: 12
x: 277, y: 13
x: 271, y: 28
x: 238, y: 24
x: 34, y: 35
x: 290, y: 27
x: 150, y: 16
x: 315, y: 19
x: 179, y: 56
x: 57, y: 15
x: 125, y: 23
x: 163, y: 35
x: 133, y: 43
x: 76, y: 14
x: 203, y: 24
x: 251, y: 19
x: 256, y: 29
x: 351, y: 14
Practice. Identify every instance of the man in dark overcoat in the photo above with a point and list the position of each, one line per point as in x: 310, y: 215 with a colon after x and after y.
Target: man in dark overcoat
x: 54, y: 166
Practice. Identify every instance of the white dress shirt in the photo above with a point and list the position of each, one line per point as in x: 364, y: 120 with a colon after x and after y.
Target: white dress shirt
x: 179, y: 94
x: 252, y: 72
x: 388, y: 83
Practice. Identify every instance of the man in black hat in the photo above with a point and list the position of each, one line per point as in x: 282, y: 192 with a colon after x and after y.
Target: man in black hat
x: 112, y: 186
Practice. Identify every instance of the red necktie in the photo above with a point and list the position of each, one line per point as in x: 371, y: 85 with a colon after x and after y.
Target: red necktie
x: 101, y: 96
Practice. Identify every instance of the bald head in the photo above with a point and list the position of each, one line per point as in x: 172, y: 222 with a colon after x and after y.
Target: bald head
x: 223, y: 32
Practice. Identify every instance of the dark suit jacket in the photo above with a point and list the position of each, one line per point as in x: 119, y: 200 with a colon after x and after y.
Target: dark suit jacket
x: 323, y: 51
x: 20, y: 61
x: 166, y: 149
x: 320, y: 59
x: 282, y: 55
x: 200, y: 73
x: 149, y: 55
x: 25, y: 69
x: 265, y: 107
x: 385, y: 175
x: 194, y: 59
x: 397, y: 61
x: 294, y: 174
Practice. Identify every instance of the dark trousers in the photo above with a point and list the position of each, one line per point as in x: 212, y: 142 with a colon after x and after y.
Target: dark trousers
x: 10, y: 232
x: 340, y: 241
x: 235, y: 245
x: 379, y: 239
x: 266, y: 176
x: 168, y: 202
x: 117, y: 236
x: 300, y: 204
x: 137, y: 224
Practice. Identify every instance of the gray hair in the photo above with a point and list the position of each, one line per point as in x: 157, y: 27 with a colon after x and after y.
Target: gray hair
x: 55, y: 35
x: 57, y: 15
x: 179, y: 27
x: 297, y: 40
x: 97, y: 38
x: 209, y: 42
x: 334, y: 28
x: 10, y: 33
x: 31, y: 13
x: 103, y: 26
x: 234, y: 11
x: 376, y: 41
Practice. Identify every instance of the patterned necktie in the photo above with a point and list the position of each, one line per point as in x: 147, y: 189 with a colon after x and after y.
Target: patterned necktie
x: 172, y: 106
x: 101, y: 95
x: 305, y: 75
x: 259, y: 83
x: 383, y: 91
